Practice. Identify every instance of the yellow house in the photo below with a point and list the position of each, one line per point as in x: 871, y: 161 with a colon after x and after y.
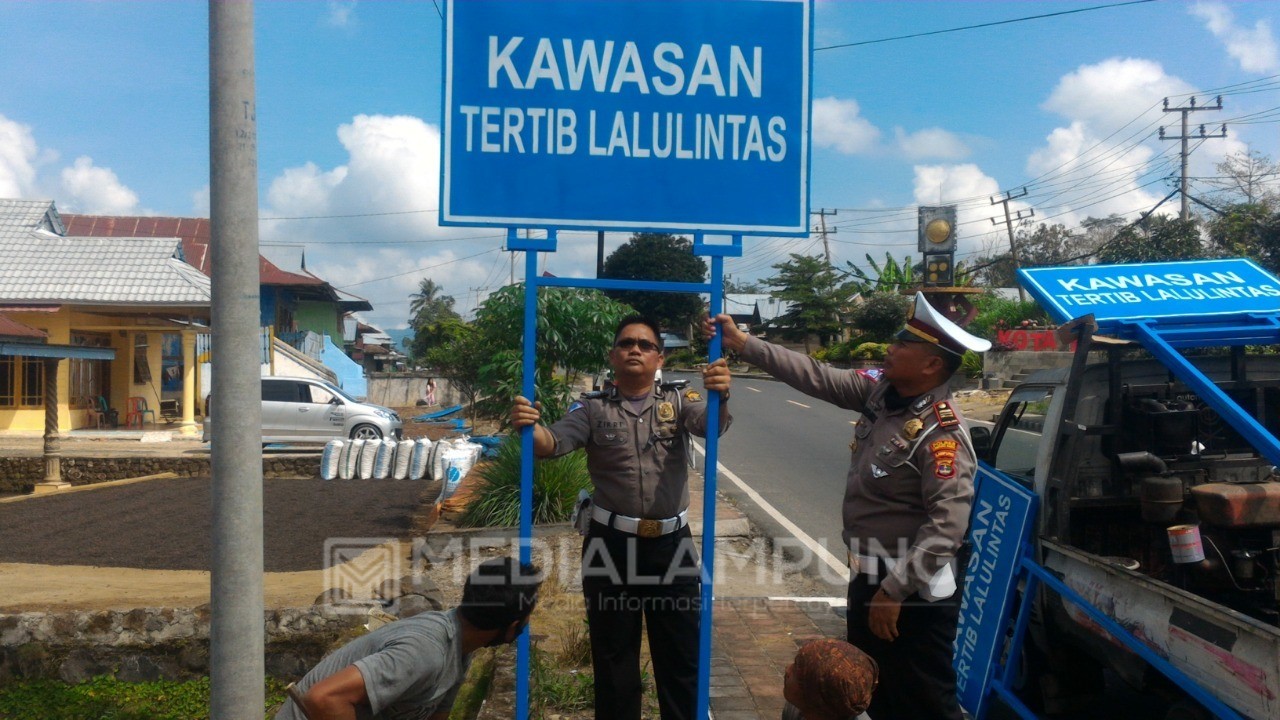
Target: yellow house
x: 133, y: 296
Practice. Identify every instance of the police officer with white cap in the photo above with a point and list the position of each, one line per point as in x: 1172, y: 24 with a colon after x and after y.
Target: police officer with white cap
x: 906, y: 502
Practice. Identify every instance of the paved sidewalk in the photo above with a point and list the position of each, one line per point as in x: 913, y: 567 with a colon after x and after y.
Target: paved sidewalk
x: 753, y: 642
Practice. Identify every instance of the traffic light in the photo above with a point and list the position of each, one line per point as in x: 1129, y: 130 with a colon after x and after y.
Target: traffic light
x: 939, y: 269
x: 937, y: 229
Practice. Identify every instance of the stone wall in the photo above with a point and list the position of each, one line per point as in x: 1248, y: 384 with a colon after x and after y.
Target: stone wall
x: 19, y: 474
x: 404, y: 389
x: 147, y: 644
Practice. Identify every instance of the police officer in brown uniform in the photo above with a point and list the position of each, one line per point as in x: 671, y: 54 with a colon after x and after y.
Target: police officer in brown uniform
x: 638, y: 559
x: 906, y: 502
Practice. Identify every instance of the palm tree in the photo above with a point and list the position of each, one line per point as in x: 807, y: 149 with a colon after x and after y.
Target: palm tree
x: 427, y: 306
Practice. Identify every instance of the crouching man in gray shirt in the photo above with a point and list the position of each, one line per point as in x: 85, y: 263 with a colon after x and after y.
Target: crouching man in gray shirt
x: 411, y: 669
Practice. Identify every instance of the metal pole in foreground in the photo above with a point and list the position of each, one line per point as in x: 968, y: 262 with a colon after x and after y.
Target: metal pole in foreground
x: 236, y: 633
x: 709, y: 473
x: 528, y: 387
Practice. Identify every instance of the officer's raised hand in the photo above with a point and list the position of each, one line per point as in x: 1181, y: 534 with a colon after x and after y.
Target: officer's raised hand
x: 734, y: 338
x: 716, y: 377
x: 524, y: 414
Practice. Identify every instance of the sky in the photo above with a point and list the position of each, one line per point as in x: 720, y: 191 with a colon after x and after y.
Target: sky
x: 104, y: 109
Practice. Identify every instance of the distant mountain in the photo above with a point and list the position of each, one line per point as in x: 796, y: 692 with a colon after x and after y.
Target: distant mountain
x: 398, y: 336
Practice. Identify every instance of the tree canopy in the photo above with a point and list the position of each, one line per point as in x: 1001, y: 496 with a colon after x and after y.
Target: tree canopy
x: 1158, y: 238
x: 428, y: 308
x: 658, y: 256
x: 818, y: 298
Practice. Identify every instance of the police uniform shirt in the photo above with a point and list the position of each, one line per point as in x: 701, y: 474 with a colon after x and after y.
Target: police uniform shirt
x: 637, y: 457
x: 911, y: 469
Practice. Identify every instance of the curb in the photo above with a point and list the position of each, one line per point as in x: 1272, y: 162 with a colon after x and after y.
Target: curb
x: 92, y: 486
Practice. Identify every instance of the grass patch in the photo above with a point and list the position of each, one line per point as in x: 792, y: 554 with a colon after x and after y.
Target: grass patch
x: 105, y: 698
x: 475, y: 688
x: 497, y: 494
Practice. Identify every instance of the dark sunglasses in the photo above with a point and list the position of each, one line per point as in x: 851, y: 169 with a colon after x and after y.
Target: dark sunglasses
x: 628, y: 343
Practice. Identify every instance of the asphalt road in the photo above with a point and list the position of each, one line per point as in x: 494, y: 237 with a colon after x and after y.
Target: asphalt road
x: 793, y: 450
x: 166, y: 524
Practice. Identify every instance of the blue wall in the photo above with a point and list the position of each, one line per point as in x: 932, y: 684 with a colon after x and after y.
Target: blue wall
x: 350, y: 373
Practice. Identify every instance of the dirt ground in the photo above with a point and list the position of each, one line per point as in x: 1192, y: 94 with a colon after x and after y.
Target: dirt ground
x: 746, y: 567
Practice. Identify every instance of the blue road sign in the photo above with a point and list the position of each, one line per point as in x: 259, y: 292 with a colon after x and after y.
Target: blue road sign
x: 1186, y: 290
x: 628, y: 115
x: 1001, y: 524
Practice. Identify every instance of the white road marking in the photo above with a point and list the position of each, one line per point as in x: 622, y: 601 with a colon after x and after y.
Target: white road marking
x: 840, y: 568
x: 793, y: 402
x: 751, y: 388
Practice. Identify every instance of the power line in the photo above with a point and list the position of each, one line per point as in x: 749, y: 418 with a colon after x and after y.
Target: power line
x: 419, y: 269
x: 983, y: 25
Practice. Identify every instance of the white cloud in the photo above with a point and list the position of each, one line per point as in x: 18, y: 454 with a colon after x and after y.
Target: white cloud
x: 837, y: 124
x: 389, y: 186
x: 340, y: 12
x: 1110, y: 94
x: 88, y: 188
x: 967, y: 187
x: 200, y: 202
x: 1255, y: 49
x: 1107, y: 158
x: 18, y: 152
x: 930, y: 143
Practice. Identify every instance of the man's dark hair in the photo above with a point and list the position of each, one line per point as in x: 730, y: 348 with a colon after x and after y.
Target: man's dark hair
x: 950, y: 361
x: 638, y: 319
x: 500, y: 592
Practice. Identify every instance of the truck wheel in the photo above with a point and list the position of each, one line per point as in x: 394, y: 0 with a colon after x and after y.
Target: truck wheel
x: 366, y: 432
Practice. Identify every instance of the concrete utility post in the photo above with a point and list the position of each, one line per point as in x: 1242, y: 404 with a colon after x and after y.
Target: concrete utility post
x: 1008, y: 223
x: 822, y: 230
x: 236, y: 634
x: 1186, y: 110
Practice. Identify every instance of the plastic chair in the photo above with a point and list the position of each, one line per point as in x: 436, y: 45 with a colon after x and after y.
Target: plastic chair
x: 138, y: 410
x: 100, y: 412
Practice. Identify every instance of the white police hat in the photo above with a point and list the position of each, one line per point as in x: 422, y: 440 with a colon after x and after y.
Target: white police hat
x: 925, y: 324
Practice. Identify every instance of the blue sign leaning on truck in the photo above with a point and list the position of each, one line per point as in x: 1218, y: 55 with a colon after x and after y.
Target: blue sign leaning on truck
x: 627, y: 115
x: 1191, y: 289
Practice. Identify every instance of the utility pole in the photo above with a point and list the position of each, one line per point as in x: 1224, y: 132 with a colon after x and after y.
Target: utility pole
x: 1008, y: 223
x: 236, y: 634
x: 599, y: 254
x: 1186, y: 110
x: 822, y: 229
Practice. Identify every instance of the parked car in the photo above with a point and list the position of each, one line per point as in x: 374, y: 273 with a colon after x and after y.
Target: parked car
x: 296, y: 409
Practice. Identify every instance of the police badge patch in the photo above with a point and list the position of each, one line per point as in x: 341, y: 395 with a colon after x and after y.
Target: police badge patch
x: 912, y: 428
x: 666, y: 412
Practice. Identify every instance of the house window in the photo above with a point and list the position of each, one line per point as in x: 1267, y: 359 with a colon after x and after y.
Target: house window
x: 89, y: 378
x: 21, y: 382
x: 8, y: 380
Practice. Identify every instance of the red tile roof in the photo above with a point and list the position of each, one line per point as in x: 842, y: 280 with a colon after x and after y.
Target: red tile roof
x: 12, y: 328
x: 194, y: 233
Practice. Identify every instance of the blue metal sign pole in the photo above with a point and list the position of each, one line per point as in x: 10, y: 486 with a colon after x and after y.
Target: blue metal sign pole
x: 714, y: 288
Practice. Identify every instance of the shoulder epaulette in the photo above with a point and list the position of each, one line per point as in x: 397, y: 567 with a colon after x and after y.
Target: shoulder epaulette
x: 946, y: 415
x: 674, y: 384
x: 593, y: 394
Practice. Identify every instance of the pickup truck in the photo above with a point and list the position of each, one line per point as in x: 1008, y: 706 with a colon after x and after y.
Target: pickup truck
x: 1120, y: 451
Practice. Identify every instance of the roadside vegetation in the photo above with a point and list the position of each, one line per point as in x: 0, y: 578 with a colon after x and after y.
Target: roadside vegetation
x: 105, y: 698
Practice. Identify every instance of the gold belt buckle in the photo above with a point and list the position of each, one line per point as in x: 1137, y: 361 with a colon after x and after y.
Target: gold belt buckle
x: 649, y: 529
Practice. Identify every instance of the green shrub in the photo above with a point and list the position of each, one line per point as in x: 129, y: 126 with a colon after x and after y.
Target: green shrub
x: 681, y: 358
x: 881, y: 315
x: 996, y: 312
x: 556, y: 483
x: 820, y: 354
x: 873, y: 351
x: 105, y: 698
x: 971, y: 364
